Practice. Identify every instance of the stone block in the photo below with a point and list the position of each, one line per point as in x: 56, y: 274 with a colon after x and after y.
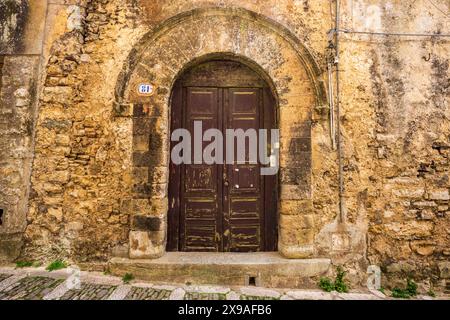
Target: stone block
x: 444, y: 269
x: 158, y: 175
x: 141, y: 246
x: 424, y: 204
x: 409, y: 193
x: 141, y: 142
x: 410, y: 229
x: 302, y: 221
x: 121, y: 251
x: 140, y: 175
x: 440, y: 195
x: 142, y: 159
x: 62, y: 139
x: 56, y: 124
x: 427, y: 214
x: 299, y: 145
x: 58, y: 94
x: 142, y: 126
x: 144, y: 223
x: 57, y: 213
x: 295, y: 207
x: 297, y: 251
x: 59, y: 177
x: 10, y: 247
x: 295, y: 192
x: 293, y: 236
x: 122, y: 109
x: 400, y: 267
x: 423, y: 248
x: 74, y: 226
x: 23, y: 24
x: 294, y: 176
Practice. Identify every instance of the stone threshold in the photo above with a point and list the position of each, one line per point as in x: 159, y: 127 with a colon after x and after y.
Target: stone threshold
x: 266, y: 269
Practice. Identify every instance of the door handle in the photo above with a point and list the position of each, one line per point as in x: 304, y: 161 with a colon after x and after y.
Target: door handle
x: 225, y: 179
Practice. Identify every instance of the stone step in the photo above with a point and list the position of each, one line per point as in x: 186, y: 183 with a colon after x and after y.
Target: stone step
x: 267, y: 269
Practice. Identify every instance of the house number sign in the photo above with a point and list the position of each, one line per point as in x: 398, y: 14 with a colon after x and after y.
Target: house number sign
x: 146, y: 89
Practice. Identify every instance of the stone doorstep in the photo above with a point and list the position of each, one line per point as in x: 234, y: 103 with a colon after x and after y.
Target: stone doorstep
x: 270, y: 269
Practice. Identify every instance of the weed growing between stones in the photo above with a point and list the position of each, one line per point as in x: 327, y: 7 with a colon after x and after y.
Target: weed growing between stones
x: 127, y: 278
x: 24, y: 264
x: 431, y: 293
x: 27, y: 264
x: 338, y: 284
x: 410, y: 291
x: 56, y: 265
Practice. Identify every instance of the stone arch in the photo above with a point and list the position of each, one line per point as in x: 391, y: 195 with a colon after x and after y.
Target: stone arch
x: 165, y: 53
x: 304, y: 55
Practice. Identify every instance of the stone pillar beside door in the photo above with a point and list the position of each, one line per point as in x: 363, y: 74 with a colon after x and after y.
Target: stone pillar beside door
x: 148, y: 206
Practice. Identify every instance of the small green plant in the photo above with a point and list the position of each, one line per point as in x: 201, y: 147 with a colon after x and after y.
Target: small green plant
x: 24, y: 264
x: 338, y: 284
x: 56, y: 265
x: 431, y: 293
x: 411, y: 287
x: 410, y: 291
x: 326, y: 284
x: 382, y: 290
x: 127, y: 278
x: 400, y: 293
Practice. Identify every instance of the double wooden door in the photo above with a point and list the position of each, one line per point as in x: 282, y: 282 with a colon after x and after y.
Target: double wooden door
x: 221, y: 207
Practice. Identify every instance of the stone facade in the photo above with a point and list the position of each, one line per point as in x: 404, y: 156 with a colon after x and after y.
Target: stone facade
x: 97, y: 187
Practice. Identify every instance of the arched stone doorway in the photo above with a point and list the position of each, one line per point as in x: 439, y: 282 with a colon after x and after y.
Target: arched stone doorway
x: 165, y: 53
x: 222, y: 207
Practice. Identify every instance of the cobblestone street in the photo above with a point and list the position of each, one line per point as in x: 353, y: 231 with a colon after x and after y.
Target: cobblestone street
x: 39, y: 284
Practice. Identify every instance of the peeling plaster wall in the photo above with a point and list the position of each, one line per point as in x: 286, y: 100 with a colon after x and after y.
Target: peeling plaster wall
x: 395, y: 125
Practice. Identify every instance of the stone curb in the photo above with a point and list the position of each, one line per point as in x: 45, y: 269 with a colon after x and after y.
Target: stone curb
x: 178, y: 292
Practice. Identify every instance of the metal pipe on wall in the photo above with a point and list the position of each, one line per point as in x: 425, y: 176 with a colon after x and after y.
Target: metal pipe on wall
x: 331, y: 99
x: 338, y: 112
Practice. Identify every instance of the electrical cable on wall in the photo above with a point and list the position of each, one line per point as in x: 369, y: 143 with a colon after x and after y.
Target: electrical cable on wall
x: 438, y: 35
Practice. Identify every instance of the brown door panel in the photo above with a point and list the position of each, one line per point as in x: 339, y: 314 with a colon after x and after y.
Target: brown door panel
x: 222, y: 207
x: 200, y: 215
x: 243, y: 210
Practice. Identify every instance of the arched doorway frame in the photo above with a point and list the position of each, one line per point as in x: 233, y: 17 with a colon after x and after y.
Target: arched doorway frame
x: 160, y: 57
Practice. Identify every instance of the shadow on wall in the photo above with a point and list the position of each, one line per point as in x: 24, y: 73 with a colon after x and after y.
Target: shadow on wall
x: 13, y: 18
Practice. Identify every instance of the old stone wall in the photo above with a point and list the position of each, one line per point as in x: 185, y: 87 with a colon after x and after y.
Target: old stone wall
x: 21, y: 30
x: 395, y: 127
x: 407, y: 188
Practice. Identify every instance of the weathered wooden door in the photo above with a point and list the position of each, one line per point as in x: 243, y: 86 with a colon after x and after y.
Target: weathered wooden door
x: 221, y: 207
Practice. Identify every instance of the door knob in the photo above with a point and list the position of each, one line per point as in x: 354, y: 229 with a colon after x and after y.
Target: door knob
x: 226, y: 183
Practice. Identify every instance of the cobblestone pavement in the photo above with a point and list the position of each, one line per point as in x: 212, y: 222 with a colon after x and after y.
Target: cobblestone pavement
x: 37, y: 284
